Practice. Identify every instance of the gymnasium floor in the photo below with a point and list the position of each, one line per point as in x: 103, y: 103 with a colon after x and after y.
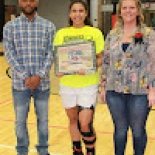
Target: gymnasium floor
x: 59, y: 139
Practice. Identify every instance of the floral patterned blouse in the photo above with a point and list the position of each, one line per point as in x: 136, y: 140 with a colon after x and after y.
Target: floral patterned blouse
x: 132, y: 71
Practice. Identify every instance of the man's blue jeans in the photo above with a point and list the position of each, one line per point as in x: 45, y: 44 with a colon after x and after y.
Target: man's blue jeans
x: 21, y: 106
x: 128, y: 110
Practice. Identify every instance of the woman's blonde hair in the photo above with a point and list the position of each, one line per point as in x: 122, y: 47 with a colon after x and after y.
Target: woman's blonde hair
x: 140, y: 17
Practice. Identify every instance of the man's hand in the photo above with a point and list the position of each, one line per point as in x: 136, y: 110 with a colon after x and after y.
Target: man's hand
x: 33, y: 82
x: 28, y: 82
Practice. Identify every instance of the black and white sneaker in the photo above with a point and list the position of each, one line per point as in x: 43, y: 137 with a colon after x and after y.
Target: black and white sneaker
x: 77, y: 151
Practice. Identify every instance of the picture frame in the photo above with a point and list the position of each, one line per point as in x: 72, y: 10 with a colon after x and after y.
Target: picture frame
x: 70, y: 58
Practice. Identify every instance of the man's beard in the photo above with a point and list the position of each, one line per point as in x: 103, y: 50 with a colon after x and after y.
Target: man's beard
x: 29, y: 13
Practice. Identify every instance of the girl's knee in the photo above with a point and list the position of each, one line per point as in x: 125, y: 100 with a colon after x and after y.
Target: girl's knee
x: 73, y: 120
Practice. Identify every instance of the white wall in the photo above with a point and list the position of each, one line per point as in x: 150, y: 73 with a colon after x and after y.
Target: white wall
x: 109, y: 7
x: 55, y: 11
x: 11, y: 2
x: 94, y: 12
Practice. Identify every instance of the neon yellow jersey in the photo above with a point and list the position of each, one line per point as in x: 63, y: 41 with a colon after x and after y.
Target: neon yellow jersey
x: 86, y: 33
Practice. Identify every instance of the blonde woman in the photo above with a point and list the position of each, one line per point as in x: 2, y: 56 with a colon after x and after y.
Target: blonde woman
x: 128, y: 80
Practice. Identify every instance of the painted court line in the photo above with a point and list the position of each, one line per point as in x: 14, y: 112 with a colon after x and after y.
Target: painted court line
x: 30, y: 150
x: 5, y: 101
x: 65, y: 128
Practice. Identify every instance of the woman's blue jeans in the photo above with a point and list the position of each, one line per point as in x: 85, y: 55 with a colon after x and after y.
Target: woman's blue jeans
x: 21, y: 105
x: 128, y: 110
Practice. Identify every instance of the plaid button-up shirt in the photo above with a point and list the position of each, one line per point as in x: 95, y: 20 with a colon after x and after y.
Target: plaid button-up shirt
x: 28, y: 48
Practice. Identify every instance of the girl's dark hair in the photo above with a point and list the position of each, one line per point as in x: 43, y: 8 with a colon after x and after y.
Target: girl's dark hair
x: 87, y: 20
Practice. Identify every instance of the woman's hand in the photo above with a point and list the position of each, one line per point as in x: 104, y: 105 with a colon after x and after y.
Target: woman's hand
x: 151, y: 97
x: 103, y: 95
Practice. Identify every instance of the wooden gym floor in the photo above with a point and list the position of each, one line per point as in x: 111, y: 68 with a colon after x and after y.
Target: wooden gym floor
x: 59, y: 139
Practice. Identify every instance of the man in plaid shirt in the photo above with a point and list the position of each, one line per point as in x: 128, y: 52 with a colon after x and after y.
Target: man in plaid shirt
x: 28, y: 50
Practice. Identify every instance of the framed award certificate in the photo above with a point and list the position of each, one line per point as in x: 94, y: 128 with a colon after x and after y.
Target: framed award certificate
x: 70, y: 58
